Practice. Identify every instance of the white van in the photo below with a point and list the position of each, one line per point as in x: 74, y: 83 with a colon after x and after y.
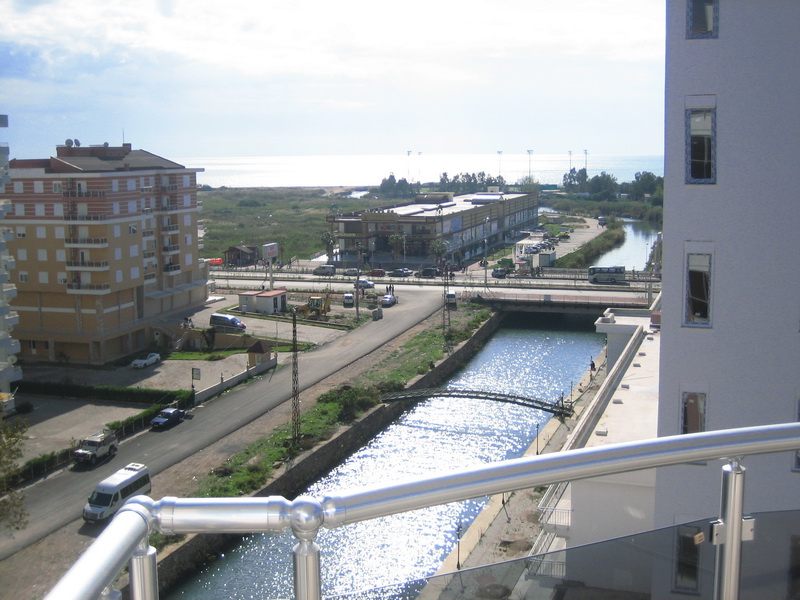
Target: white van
x: 325, y: 270
x: 111, y: 493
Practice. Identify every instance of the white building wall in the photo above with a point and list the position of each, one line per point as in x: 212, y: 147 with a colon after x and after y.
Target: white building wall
x: 747, y: 360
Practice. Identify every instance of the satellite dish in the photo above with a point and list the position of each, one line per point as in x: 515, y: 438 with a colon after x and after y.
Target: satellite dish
x: 77, y: 142
x: 68, y: 143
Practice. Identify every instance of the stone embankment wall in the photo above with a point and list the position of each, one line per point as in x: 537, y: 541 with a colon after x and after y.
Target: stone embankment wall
x: 200, y: 549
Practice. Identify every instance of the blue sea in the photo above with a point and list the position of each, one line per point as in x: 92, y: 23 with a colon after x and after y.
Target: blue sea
x: 363, y: 171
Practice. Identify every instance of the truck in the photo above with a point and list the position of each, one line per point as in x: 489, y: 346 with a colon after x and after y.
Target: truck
x: 97, y: 447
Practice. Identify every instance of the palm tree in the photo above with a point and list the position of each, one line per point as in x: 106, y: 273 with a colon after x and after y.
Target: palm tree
x: 397, y: 241
x: 329, y: 239
x: 437, y: 249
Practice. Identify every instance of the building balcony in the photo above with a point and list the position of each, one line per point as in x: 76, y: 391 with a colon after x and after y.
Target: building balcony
x: 10, y: 317
x: 8, y: 344
x: 170, y: 229
x: 169, y: 188
x: 9, y: 291
x: 720, y: 553
x: 8, y: 262
x: 87, y: 265
x: 148, y: 254
x: 82, y: 194
x: 171, y: 249
x: 172, y: 269
x: 169, y: 206
x: 7, y: 234
x: 91, y: 289
x: 149, y: 277
x: 149, y: 189
x: 88, y: 242
x: 148, y: 233
x: 84, y: 217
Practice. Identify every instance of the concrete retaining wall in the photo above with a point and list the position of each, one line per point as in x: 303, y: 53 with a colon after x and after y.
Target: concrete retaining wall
x: 185, y: 559
x: 224, y: 384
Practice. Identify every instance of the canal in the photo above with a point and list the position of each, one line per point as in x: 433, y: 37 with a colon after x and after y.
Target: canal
x: 541, y: 356
x: 634, y: 253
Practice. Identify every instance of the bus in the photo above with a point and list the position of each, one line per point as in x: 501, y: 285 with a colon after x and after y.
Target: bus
x: 606, y: 274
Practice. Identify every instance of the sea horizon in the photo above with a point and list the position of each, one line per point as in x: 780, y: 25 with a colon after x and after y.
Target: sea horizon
x: 368, y: 170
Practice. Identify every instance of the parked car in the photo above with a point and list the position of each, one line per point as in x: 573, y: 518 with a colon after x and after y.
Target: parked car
x: 226, y: 323
x: 147, y: 361
x: 326, y: 270
x: 402, y: 272
x: 377, y: 273
x: 363, y: 284
x: 351, y: 271
x: 388, y: 300
x: 348, y: 300
x: 96, y: 447
x: 499, y: 273
x: 167, y: 418
x: 429, y: 272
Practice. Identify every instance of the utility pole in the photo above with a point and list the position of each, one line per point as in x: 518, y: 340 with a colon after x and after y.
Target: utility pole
x: 295, y: 385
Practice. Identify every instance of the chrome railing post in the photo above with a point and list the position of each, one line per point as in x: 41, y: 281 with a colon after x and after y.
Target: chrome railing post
x: 144, y: 573
x: 729, y: 531
x: 306, y: 519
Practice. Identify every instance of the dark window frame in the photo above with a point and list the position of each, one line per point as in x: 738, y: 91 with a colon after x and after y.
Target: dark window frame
x: 701, y: 150
x: 696, y: 9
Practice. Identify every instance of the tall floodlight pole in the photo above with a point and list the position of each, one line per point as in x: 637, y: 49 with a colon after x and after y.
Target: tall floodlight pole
x: 408, y: 165
x: 530, y: 153
x: 499, y: 163
x: 486, y: 253
x: 570, y: 159
x: 586, y: 160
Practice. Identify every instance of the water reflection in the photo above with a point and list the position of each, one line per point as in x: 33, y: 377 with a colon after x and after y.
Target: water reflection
x: 634, y: 253
x: 533, y: 356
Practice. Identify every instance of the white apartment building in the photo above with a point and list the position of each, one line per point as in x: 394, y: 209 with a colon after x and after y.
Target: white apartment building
x: 731, y: 301
x: 106, y: 248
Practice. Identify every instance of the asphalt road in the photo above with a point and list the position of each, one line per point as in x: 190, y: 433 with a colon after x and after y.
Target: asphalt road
x: 59, y: 499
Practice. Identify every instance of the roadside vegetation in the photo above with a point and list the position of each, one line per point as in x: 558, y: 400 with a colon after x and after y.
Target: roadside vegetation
x: 586, y: 255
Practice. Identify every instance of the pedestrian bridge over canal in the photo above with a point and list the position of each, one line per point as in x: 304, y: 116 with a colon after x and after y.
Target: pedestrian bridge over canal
x: 593, y: 302
x: 559, y: 409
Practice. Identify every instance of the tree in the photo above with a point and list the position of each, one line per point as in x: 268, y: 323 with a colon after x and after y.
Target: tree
x: 397, y: 241
x: 529, y: 185
x: 329, y: 239
x: 12, y: 502
x: 437, y: 249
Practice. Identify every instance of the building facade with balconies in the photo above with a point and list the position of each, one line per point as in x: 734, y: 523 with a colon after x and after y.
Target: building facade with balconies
x: 106, y: 248
x: 9, y: 346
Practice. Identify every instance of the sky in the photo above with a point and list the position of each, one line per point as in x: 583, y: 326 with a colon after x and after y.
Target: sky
x: 200, y: 78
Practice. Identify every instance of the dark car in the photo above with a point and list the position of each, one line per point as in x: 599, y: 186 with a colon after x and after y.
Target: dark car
x: 499, y: 273
x: 429, y: 272
x: 403, y: 272
x: 167, y: 418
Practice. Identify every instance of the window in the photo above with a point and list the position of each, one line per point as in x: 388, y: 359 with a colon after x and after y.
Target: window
x: 701, y: 145
x: 38, y: 209
x: 702, y: 19
x: 693, y: 412
x: 134, y: 273
x: 61, y: 276
x: 687, y: 559
x: 61, y: 255
x: 117, y: 253
x: 131, y: 184
x: 44, y: 277
x: 59, y: 232
x: 115, y: 185
x: 21, y: 232
x: 22, y: 254
x: 185, y: 181
x: 41, y: 254
x: 131, y: 207
x: 57, y: 187
x: 117, y: 231
x: 132, y: 229
x: 19, y: 209
x: 58, y: 210
x: 115, y: 208
x: 38, y: 187
x: 134, y: 250
x: 23, y: 276
x: 118, y: 275
x: 698, y: 290
x: 187, y: 200
x: 17, y: 187
x: 41, y: 232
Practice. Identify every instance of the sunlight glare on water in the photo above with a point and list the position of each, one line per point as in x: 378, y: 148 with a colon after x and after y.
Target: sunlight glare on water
x: 537, y: 357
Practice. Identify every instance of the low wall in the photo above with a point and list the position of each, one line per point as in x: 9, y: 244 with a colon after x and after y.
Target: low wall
x: 318, y: 462
x: 224, y: 384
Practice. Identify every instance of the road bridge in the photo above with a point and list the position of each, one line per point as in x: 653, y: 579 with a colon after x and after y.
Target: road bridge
x: 560, y: 301
x: 559, y: 409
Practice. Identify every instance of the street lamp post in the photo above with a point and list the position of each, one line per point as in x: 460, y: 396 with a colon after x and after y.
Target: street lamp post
x: 358, y: 276
x: 530, y: 153
x: 485, y: 253
x: 499, y: 163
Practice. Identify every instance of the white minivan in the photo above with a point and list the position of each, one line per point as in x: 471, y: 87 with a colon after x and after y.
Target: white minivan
x: 111, y: 493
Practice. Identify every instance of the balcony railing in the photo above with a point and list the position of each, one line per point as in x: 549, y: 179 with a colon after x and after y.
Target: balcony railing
x: 88, y: 241
x: 125, y: 538
x: 83, y: 194
x: 84, y: 217
x: 87, y: 264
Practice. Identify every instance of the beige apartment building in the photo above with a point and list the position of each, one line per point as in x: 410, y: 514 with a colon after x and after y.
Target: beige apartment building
x: 107, y: 252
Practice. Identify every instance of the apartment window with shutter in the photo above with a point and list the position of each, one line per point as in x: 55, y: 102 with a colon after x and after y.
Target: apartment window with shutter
x: 698, y: 290
x: 701, y: 166
x: 693, y: 412
x: 687, y: 559
x: 702, y: 19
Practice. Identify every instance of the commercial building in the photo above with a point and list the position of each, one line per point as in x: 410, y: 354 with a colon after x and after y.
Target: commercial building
x: 106, y: 247
x: 9, y: 346
x: 469, y: 225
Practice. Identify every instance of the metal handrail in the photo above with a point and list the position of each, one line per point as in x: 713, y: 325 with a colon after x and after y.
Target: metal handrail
x: 305, y: 516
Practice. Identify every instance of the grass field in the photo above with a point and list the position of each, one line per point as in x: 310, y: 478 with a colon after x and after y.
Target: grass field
x: 292, y: 217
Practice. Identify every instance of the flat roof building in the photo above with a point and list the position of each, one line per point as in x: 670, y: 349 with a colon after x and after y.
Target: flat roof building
x: 106, y: 247
x: 468, y: 225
